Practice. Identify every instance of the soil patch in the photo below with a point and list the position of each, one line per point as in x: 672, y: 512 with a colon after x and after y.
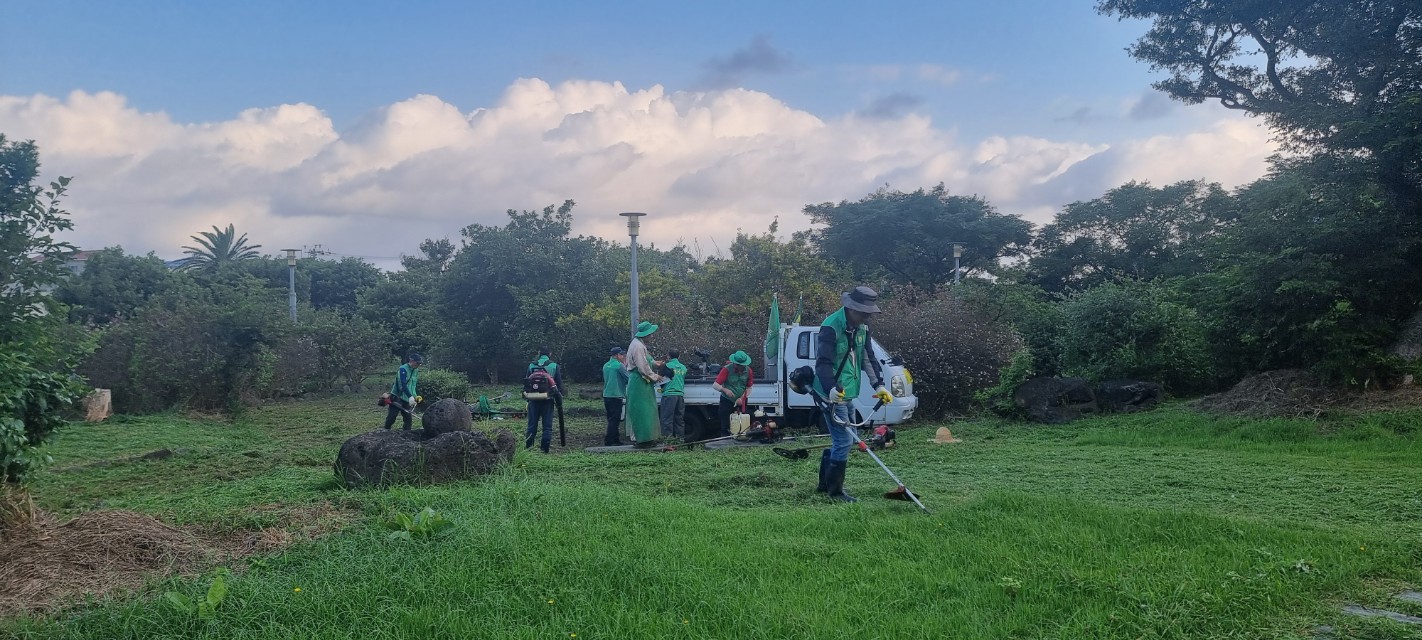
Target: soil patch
x: 1296, y: 393
x: 96, y: 553
x: 49, y: 563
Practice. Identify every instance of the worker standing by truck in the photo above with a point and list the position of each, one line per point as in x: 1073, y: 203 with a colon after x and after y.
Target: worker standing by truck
x: 673, y: 407
x: 642, y: 416
x: 843, y: 350
x: 734, y: 384
x: 614, y: 393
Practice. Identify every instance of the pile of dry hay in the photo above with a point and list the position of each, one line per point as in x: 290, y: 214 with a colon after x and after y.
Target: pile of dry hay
x: 46, y: 562
x: 1296, y: 393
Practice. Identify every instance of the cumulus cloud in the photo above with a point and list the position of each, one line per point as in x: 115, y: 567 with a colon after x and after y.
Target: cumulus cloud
x: 757, y: 57
x: 702, y: 163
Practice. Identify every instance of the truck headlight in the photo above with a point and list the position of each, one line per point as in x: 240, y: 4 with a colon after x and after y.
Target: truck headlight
x: 896, y: 386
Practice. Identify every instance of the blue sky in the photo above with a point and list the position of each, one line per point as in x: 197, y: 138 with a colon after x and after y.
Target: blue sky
x: 1028, y: 66
x: 996, y: 85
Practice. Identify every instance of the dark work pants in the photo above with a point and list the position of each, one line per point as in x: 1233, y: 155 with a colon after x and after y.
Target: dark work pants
x: 540, y: 410
x: 673, y: 415
x: 728, y: 407
x: 613, y: 406
x: 390, y: 415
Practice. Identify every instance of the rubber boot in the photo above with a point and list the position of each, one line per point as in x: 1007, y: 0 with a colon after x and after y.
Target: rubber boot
x: 528, y: 442
x: 824, y: 466
x: 836, y: 481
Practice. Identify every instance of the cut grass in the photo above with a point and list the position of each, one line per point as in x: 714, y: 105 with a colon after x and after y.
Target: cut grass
x: 1161, y: 525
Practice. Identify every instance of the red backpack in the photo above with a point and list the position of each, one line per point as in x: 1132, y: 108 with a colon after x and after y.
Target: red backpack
x: 538, y: 384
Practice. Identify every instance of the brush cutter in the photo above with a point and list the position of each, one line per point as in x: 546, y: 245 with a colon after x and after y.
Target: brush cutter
x: 901, y: 492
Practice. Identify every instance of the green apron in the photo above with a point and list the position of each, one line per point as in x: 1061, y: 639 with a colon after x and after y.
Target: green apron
x: 642, y: 416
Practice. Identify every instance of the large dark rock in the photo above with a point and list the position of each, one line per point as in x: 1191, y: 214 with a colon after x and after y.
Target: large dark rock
x: 383, y: 457
x: 1055, y: 400
x: 447, y: 416
x: 1127, y: 395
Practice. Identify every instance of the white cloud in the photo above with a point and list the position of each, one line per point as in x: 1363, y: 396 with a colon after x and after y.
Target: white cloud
x: 703, y: 163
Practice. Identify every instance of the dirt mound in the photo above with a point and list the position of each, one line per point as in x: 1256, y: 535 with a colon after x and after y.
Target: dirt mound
x: 46, y: 562
x: 1290, y: 393
x: 1296, y: 393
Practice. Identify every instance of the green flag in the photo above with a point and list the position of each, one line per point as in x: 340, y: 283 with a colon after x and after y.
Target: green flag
x: 799, y: 310
x: 772, y: 337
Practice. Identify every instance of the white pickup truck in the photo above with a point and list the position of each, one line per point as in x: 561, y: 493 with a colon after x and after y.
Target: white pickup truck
x: 772, y: 393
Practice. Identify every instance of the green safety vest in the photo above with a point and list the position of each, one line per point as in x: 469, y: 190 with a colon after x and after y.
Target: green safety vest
x: 614, y: 379
x: 677, y: 385
x: 736, y: 382
x: 548, y: 365
x: 412, y: 378
x: 849, y: 376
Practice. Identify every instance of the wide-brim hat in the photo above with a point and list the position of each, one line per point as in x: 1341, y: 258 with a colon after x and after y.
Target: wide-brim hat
x: 740, y: 358
x: 861, y: 299
x: 944, y: 436
x: 645, y: 329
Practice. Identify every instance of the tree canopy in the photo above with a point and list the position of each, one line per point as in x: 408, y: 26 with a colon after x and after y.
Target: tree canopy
x: 35, y: 362
x: 909, y: 237
x: 1331, y: 76
x: 1134, y: 232
x: 218, y: 247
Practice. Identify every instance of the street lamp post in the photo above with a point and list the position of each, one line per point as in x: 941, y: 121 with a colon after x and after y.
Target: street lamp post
x: 291, y: 280
x: 634, y: 223
x: 957, y: 261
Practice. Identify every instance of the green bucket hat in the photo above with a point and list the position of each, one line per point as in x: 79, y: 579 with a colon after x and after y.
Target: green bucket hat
x: 740, y: 358
x: 645, y: 329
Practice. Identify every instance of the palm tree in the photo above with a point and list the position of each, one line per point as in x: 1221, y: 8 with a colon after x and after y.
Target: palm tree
x: 216, y: 247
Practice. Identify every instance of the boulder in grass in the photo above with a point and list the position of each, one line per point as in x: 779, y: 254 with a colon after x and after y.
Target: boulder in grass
x: 384, y: 457
x: 447, y: 416
x: 1055, y: 400
x: 1127, y: 396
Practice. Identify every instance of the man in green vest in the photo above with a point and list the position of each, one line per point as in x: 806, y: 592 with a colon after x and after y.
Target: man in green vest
x: 673, y: 407
x: 734, y: 384
x: 402, y: 392
x: 542, y: 409
x: 614, y: 390
x: 844, y: 349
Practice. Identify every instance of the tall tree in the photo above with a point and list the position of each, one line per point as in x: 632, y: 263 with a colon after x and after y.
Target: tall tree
x: 1333, y: 76
x: 113, y: 286
x: 909, y: 236
x: 1134, y: 232
x: 35, y: 379
x: 218, y: 247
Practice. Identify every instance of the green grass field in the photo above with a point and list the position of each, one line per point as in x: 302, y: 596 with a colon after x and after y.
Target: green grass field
x: 1161, y: 525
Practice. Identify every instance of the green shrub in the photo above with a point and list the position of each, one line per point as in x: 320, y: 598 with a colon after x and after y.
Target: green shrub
x: 952, y: 345
x: 438, y: 384
x: 348, y: 347
x: 214, y: 348
x: 998, y: 399
x: 1134, y: 331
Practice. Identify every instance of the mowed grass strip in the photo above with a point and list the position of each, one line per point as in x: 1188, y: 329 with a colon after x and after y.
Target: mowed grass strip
x: 618, y: 564
x: 1169, y: 524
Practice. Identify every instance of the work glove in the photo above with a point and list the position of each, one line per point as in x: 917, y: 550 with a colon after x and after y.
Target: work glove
x: 419, y: 399
x: 881, y: 394
x: 412, y: 401
x: 836, y: 395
